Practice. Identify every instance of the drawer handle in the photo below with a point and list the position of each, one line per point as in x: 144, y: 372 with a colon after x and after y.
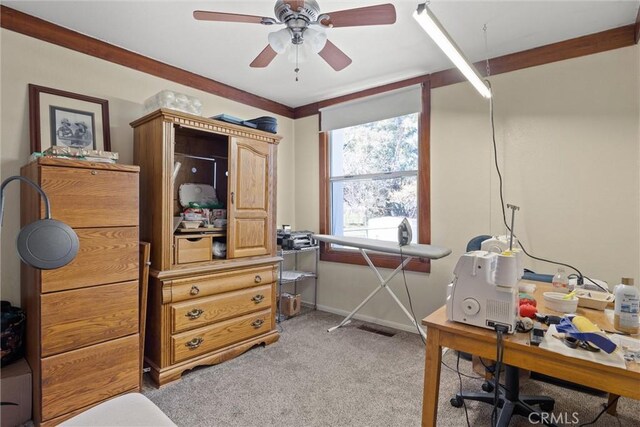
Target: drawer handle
x: 258, y: 279
x: 94, y: 173
x: 257, y: 323
x: 194, y: 290
x: 258, y: 298
x: 195, y: 343
x: 194, y: 314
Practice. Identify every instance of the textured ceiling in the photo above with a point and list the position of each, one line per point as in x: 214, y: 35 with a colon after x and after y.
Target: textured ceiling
x: 166, y: 31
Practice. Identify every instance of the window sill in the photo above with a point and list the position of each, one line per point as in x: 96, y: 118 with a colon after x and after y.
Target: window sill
x: 379, y: 260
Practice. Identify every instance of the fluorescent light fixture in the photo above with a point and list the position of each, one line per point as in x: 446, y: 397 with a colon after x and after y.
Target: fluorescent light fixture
x: 430, y: 24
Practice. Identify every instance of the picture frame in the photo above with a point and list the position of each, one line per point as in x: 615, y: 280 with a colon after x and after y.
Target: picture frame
x: 61, y: 118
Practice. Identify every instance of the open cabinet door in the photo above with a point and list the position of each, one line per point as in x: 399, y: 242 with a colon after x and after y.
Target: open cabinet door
x: 249, y: 227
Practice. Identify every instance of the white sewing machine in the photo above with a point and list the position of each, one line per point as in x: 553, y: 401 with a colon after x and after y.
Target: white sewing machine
x: 484, y: 291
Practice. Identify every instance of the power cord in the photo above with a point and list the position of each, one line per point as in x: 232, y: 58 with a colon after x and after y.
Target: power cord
x: 504, y: 215
x: 409, y: 296
x: 464, y: 404
x: 592, y: 281
x: 404, y: 277
x: 500, y: 330
x: 601, y: 412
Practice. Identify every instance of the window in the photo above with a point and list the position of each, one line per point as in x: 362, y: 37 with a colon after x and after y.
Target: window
x: 372, y: 176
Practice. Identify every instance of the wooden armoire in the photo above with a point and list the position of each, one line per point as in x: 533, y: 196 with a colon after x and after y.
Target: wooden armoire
x: 83, y: 331
x: 206, y: 306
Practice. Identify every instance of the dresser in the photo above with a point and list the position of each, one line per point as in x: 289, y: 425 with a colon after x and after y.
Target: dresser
x: 83, y: 342
x: 206, y: 305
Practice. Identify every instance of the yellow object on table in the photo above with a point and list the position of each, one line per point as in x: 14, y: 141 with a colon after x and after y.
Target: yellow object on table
x: 584, y: 325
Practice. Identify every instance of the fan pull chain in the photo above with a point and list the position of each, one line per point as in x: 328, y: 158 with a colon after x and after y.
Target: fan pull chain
x: 297, y: 69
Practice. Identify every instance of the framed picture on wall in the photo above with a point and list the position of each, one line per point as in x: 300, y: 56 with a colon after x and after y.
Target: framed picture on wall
x: 61, y: 118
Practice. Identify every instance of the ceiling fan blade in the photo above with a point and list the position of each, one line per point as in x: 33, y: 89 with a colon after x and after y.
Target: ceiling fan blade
x: 334, y: 56
x: 381, y: 14
x: 204, y: 15
x: 264, y: 58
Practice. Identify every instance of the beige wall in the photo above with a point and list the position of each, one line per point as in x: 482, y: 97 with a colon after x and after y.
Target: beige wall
x: 26, y: 60
x: 569, y: 149
x: 568, y: 136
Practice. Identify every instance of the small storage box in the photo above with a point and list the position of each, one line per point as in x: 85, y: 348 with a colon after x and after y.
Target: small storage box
x: 16, y: 393
x: 290, y: 304
x: 192, y: 248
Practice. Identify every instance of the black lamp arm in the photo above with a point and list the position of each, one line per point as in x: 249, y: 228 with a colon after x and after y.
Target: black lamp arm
x: 47, y: 205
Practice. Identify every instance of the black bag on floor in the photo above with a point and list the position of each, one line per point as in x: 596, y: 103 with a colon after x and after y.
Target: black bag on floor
x: 12, y: 335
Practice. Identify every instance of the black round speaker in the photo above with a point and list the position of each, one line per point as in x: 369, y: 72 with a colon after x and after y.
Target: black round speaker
x: 47, y: 244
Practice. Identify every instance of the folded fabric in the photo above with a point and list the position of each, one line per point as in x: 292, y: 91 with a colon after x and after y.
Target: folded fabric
x: 599, y: 339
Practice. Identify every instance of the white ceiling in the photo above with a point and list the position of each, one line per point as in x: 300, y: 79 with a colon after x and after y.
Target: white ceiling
x: 166, y: 31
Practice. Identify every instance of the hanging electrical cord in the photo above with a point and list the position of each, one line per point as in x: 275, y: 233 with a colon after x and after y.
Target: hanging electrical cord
x: 409, y: 296
x: 504, y: 215
x: 496, y: 390
x: 464, y: 405
x: 601, y: 412
x: 404, y: 277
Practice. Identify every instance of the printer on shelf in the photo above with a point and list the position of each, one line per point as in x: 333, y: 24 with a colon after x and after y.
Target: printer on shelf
x: 289, y: 240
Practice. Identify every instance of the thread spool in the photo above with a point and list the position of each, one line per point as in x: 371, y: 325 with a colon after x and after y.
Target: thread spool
x: 519, y: 262
x: 506, y: 270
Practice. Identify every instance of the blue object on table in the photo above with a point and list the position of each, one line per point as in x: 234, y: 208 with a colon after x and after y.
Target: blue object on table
x: 567, y: 327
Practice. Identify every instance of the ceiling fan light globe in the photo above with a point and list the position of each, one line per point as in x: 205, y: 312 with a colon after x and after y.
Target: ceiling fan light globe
x: 315, y: 39
x: 279, y: 40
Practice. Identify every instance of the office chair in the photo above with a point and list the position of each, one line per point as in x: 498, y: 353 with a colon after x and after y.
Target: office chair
x: 509, y: 401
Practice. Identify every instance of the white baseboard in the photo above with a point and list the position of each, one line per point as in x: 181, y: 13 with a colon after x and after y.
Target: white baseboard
x: 394, y: 325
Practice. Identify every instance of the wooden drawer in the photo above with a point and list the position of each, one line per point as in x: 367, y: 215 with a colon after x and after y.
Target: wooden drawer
x: 74, y: 319
x: 200, y: 312
x: 209, y: 338
x: 82, y: 377
x: 106, y: 255
x: 196, y: 287
x: 193, y: 249
x: 91, y: 197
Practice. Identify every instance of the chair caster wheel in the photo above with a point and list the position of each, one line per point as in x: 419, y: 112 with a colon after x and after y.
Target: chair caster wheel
x: 456, y: 402
x: 547, y: 407
x: 487, y: 386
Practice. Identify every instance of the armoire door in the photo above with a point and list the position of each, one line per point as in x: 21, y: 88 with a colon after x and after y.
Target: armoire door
x: 249, y: 230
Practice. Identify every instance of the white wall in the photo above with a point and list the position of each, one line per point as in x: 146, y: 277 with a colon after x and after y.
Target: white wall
x: 26, y: 60
x: 569, y: 147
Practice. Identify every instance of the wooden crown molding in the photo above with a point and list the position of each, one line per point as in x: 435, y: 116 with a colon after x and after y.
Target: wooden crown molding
x: 572, y: 48
x: 23, y: 23
x: 568, y: 49
x: 28, y: 25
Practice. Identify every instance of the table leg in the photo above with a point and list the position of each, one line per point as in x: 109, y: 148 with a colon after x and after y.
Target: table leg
x: 613, y: 410
x: 433, y: 359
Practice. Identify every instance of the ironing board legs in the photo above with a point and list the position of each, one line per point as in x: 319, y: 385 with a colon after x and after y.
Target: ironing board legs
x: 382, y: 285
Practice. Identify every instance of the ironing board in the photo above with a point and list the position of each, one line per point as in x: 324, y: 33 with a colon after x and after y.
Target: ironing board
x: 407, y: 252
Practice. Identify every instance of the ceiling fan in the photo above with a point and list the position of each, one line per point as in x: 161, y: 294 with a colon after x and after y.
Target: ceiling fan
x: 299, y: 18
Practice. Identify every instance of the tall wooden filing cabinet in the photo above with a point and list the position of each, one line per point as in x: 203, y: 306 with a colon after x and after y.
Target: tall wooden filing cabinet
x: 83, y: 319
x: 206, y: 306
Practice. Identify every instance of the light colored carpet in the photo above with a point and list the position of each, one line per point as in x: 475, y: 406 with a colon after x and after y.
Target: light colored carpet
x: 348, y: 377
